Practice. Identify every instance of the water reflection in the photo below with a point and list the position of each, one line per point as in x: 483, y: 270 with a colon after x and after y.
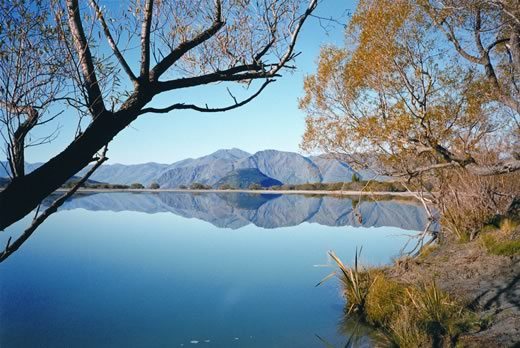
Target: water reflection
x: 236, y: 210
x: 148, y: 270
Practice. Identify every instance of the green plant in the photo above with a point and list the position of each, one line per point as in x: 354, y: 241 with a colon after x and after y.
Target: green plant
x: 356, y: 282
x: 499, y: 239
x: 496, y: 246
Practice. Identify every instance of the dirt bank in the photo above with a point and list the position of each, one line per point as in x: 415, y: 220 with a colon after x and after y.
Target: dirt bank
x: 490, y: 284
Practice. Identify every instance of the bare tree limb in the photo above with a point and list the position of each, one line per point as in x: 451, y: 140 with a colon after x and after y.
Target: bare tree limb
x: 186, y: 46
x: 37, y: 221
x: 183, y: 106
x: 95, y: 98
x: 145, y: 40
x: 112, y: 43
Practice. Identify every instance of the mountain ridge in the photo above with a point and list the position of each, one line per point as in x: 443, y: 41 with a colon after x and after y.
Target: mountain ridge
x: 282, y: 166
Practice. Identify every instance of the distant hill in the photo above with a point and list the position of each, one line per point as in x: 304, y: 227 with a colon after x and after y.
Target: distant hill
x: 145, y: 173
x: 244, y: 178
x: 4, y: 182
x: 281, y: 166
x: 287, y: 167
x: 6, y: 173
x: 207, y: 170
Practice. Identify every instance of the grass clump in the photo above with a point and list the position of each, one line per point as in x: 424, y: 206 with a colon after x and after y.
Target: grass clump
x: 405, y: 332
x: 408, y: 315
x: 496, y: 246
x: 383, y: 300
x: 500, y: 239
x: 356, y: 283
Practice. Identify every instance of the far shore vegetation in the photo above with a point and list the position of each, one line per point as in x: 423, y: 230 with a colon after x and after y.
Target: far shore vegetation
x: 354, y: 186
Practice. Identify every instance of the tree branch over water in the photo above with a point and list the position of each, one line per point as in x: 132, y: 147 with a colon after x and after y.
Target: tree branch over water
x: 239, y: 42
x: 10, y: 248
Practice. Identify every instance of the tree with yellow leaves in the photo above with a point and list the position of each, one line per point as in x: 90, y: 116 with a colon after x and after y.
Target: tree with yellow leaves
x: 420, y: 86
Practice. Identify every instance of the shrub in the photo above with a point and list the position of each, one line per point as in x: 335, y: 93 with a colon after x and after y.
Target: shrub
x: 136, y: 186
x: 405, y: 331
x: 468, y: 202
x: 155, y: 186
x: 199, y: 186
x: 356, y: 283
x: 336, y: 186
x: 183, y: 187
x: 255, y: 187
x: 226, y: 187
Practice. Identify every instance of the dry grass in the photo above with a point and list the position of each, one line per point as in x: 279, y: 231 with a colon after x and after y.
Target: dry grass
x: 357, y: 282
x: 468, y: 202
x: 409, y: 315
x: 502, y: 240
x: 405, y: 332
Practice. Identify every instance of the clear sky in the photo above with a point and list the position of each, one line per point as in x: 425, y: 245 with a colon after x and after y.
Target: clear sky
x: 271, y: 121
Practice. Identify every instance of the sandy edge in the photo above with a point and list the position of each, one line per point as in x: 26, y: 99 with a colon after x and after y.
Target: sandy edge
x: 284, y: 192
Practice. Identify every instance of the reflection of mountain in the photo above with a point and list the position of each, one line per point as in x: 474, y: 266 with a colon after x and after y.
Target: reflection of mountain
x: 235, y: 210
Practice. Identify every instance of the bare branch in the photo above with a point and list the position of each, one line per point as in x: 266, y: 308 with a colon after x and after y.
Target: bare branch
x: 294, y: 35
x: 184, y: 47
x: 37, y: 221
x: 238, y: 73
x: 95, y: 98
x: 182, y: 106
x: 145, y: 40
x: 112, y: 43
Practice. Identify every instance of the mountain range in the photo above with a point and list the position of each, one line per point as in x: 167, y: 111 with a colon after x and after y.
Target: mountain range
x: 228, y: 166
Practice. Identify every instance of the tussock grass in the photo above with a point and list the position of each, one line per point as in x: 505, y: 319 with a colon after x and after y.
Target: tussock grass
x: 356, y: 280
x: 405, y: 332
x: 500, y: 239
x: 408, y: 315
x: 383, y: 300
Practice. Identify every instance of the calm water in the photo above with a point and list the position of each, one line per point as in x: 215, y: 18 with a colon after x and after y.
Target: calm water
x: 167, y: 269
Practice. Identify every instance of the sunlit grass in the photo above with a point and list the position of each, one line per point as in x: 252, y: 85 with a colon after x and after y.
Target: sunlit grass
x: 356, y: 280
x: 500, y: 240
x: 408, y: 315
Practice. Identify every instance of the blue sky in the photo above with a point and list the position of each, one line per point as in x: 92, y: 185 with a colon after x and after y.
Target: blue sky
x: 272, y: 121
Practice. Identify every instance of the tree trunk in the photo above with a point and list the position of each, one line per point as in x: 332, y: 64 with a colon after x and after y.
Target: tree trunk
x: 24, y: 194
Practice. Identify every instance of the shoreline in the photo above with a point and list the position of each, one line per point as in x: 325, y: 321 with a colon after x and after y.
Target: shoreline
x: 274, y: 192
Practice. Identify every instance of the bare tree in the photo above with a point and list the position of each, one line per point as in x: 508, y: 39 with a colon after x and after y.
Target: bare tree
x: 486, y: 33
x: 31, y: 78
x: 181, y: 44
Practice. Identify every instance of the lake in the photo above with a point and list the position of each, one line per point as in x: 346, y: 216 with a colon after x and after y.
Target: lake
x: 181, y: 269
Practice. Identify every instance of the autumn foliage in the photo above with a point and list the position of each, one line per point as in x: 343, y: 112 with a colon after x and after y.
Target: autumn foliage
x: 399, y: 91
